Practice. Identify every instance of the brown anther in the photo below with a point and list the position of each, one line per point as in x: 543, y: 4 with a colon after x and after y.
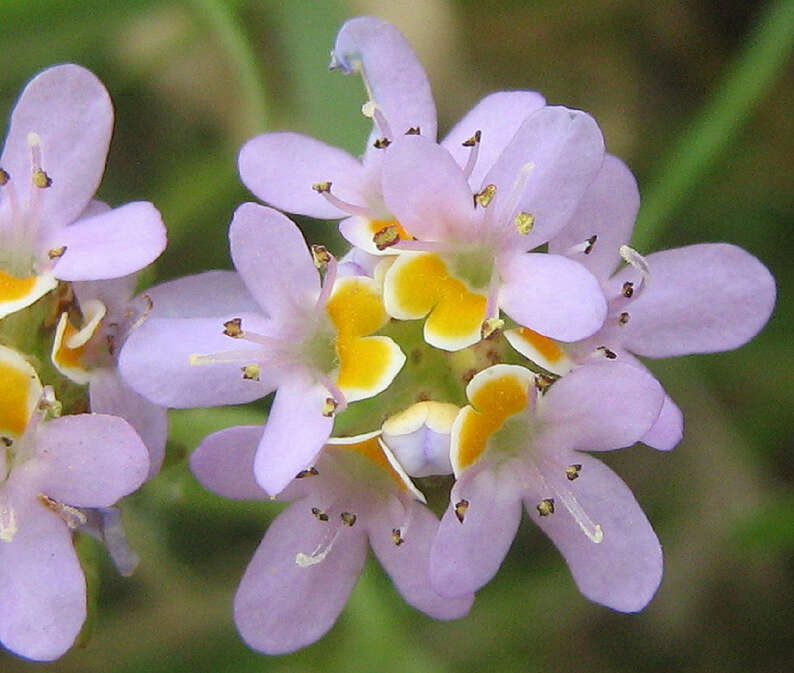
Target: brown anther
x: 485, y: 196
x: 524, y: 222
x: 233, y: 328
x: 250, y: 372
x: 491, y: 327
x: 623, y: 318
x: 311, y: 472
x: 543, y: 382
x: 608, y: 354
x: 381, y: 143
x: 572, y: 471
x: 7, y: 441
x: 460, y: 509
x: 590, y: 243
x: 413, y: 131
x: 72, y: 516
x: 41, y: 179
x: 322, y: 187
x: 386, y: 237
x: 321, y: 256
x: 471, y: 142
x: 628, y: 289
x: 348, y: 518
x: 56, y: 253
x: 110, y: 340
x: 4, y: 177
x: 319, y: 514
x: 397, y: 536
x: 546, y: 507
x: 329, y: 407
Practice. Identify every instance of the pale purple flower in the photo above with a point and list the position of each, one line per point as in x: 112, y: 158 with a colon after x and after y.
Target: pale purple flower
x: 696, y: 299
x: 49, y: 471
x: 513, y: 445
x: 52, y: 163
x: 312, y: 554
x: 297, y: 336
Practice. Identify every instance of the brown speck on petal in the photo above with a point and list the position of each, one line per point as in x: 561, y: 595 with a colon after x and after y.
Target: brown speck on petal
x: 460, y: 509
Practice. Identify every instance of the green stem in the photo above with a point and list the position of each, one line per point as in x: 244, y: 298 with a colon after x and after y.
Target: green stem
x: 741, y: 90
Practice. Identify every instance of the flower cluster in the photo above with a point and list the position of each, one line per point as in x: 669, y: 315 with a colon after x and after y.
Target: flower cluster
x: 479, y: 338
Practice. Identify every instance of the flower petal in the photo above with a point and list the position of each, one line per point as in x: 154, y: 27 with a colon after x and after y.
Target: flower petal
x: 699, y: 299
x: 497, y: 116
x: 295, y: 433
x: 90, y: 460
x: 552, y: 295
x: 408, y: 564
x: 282, y: 606
x: 623, y: 571
x: 70, y: 110
x: 202, y: 295
x: 259, y: 237
x: 112, y: 244
x: 281, y: 168
x: 667, y: 431
x: 394, y: 77
x: 561, y: 151
x: 599, y: 407
x: 466, y: 555
x: 607, y: 210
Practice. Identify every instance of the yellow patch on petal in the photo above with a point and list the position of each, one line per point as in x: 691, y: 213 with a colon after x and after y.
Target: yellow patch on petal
x: 542, y: 350
x: 69, y: 345
x: 367, y: 364
x: 495, y: 394
x: 421, y: 284
x: 18, y: 293
x: 20, y: 391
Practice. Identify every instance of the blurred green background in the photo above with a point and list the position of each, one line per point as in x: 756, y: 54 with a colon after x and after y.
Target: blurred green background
x: 695, y: 96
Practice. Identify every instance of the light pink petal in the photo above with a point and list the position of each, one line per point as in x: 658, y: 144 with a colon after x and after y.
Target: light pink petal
x: 623, y: 571
x: 281, y: 606
x: 408, y: 564
x: 70, y: 110
x: 600, y: 406
x: 699, y: 299
x: 465, y: 556
x: 668, y: 430
x: 281, y: 168
x: 110, y: 395
x: 112, y: 244
x: 270, y: 254
x: 607, y: 210
x: 224, y: 462
x: 497, y: 116
x: 295, y: 433
x: 552, y: 295
x: 156, y: 362
x: 115, y: 293
x: 42, y: 588
x: 395, y: 77
x: 202, y: 295
x: 426, y: 190
x: 90, y: 460
x: 561, y: 151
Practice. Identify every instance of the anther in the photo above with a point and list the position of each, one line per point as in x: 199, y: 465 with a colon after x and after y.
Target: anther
x: 623, y: 318
x: 250, y: 372
x: 413, y: 131
x: 381, y: 143
x: 386, y: 237
x: 56, y: 253
x: 234, y: 328
x: 485, y: 196
x: 310, y: 472
x: 572, y: 471
x: 41, y: 179
x: 460, y: 509
x: 72, y: 516
x: 320, y: 256
x: 543, y: 382
x: 524, y: 222
x: 590, y: 243
x: 7, y: 441
x: 397, y: 536
x: 546, y: 507
x: 329, y: 407
x: 322, y: 187
x: 628, y: 289
x: 608, y: 354
x: 319, y: 514
x: 4, y: 177
x: 491, y: 327
x: 471, y: 142
x: 348, y: 518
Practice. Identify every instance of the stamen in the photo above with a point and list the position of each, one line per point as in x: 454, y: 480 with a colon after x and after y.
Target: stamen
x: 41, y: 179
x: 628, y: 289
x: 321, y: 256
x: 585, y: 247
x: 516, y: 191
x: 72, y: 516
x: 251, y: 372
x: 546, y: 507
x: 608, y: 354
x: 623, y: 318
x: 234, y: 328
x: 310, y: 472
x: 319, y: 553
x: 631, y: 256
x: 348, y: 518
x: 324, y: 189
x: 524, y: 222
x: 491, y: 327
x: 396, y: 536
x: 485, y: 196
x: 4, y: 178
x: 56, y: 253
x: 373, y: 111
x: 460, y: 509
x: 381, y: 143
x: 144, y: 315
x: 329, y: 407
x: 572, y: 471
x: 544, y: 381
x: 8, y: 522
x: 319, y: 514
x: 328, y: 284
x: 413, y: 131
x: 386, y: 237
x: 474, y: 143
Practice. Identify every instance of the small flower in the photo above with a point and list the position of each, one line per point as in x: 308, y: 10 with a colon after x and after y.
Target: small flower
x: 312, y: 554
x: 513, y: 444
x: 50, y: 167
x: 50, y: 469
